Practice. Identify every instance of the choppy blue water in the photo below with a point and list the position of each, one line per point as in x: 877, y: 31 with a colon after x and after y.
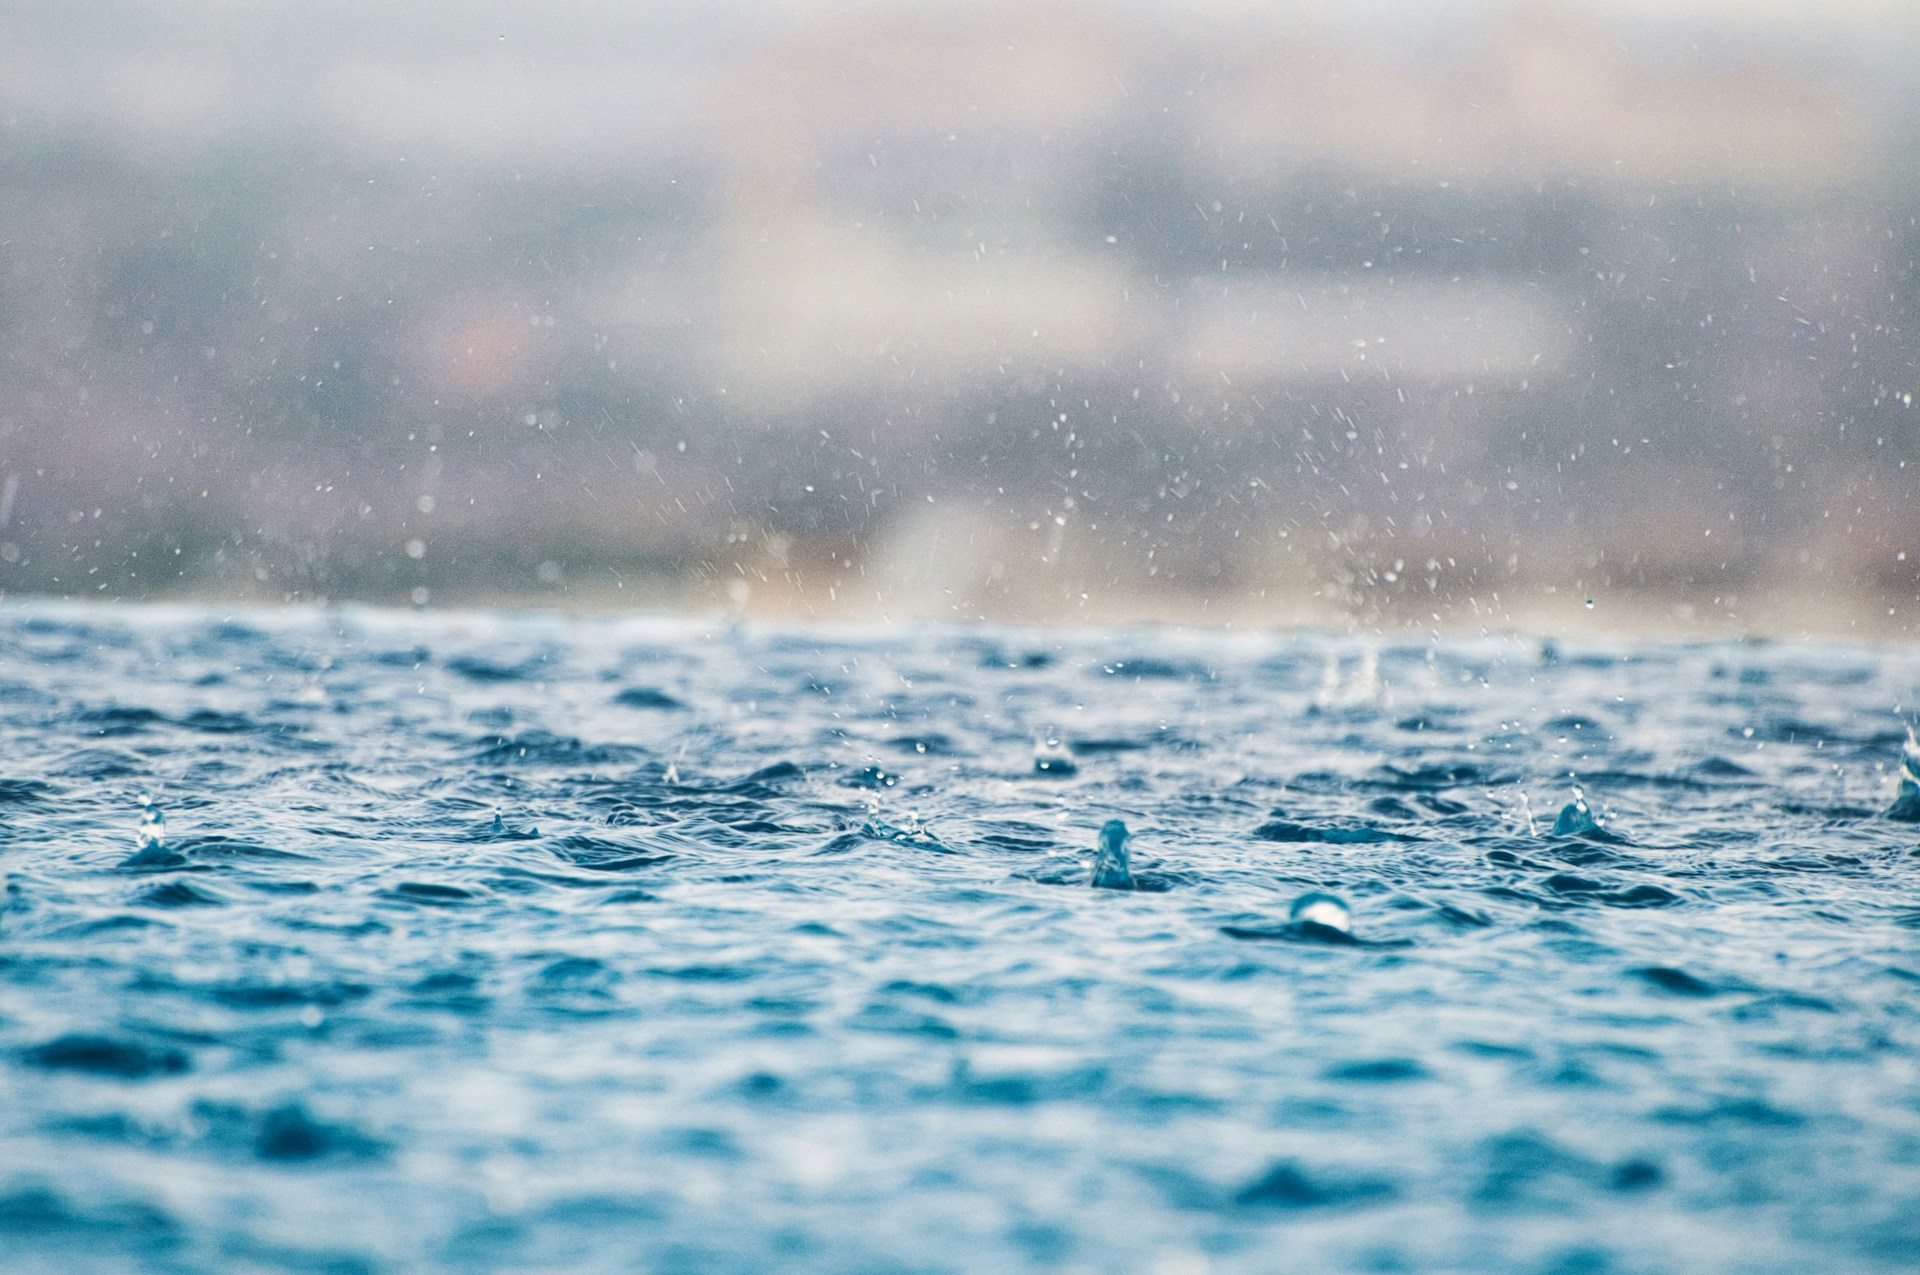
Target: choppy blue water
x: 480, y: 941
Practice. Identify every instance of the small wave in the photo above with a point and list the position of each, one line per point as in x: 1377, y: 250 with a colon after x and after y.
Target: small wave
x: 1328, y: 834
x: 99, y: 763
x: 475, y: 668
x: 1291, y: 1185
x: 276, y: 995
x: 648, y: 697
x: 119, y: 719
x: 231, y: 848
x: 599, y: 854
x: 1437, y: 777
x: 434, y: 893
x: 1146, y: 668
x: 178, y: 894
x: 1377, y: 1071
x: 541, y: 748
x: 1675, y: 982
x: 1524, y: 1169
x: 31, y: 1215
x: 1569, y: 886
x: 1311, y: 933
x: 20, y: 792
x: 106, y: 1056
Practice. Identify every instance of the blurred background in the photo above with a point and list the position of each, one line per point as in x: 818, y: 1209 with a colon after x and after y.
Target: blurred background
x: 1430, y: 312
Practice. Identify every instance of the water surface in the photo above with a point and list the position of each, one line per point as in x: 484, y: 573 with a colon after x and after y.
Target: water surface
x: 482, y: 940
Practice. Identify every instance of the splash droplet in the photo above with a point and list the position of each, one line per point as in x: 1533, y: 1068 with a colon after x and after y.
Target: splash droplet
x: 1906, y: 801
x: 910, y: 831
x: 152, y: 837
x: 1112, y: 869
x: 1526, y: 812
x: 1576, y: 818
x: 1328, y: 911
x: 150, y: 851
x: 1051, y: 757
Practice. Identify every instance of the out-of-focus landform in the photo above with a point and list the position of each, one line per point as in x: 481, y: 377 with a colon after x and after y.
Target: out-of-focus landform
x: 1445, y: 314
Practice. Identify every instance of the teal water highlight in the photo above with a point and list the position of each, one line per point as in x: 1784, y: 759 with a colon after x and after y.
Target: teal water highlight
x: 368, y: 940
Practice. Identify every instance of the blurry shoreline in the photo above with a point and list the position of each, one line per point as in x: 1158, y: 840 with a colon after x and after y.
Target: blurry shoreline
x: 1455, y: 313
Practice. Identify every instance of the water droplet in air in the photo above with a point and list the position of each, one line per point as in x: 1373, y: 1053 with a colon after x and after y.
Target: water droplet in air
x: 1526, y: 812
x: 1329, y: 911
x: 1051, y: 757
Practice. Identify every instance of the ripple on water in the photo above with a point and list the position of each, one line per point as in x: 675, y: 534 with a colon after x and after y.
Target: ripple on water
x: 647, y: 697
x: 1290, y: 1185
x: 105, y: 1056
x: 498, y: 942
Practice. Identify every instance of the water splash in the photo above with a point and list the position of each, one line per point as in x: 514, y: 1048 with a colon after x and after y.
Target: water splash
x: 152, y: 837
x: 150, y: 841
x: 1052, y: 757
x: 1906, y: 801
x: 1111, y: 867
x: 1366, y: 682
x: 1364, y: 689
x: 909, y: 831
x: 1328, y: 693
x: 739, y: 594
x: 1576, y: 818
x: 1526, y: 812
x: 498, y: 829
x: 871, y: 775
x: 1326, y: 911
